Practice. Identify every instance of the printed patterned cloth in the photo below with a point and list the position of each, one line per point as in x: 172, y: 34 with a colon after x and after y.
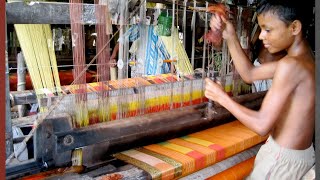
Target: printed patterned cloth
x: 179, y: 157
x: 152, y: 57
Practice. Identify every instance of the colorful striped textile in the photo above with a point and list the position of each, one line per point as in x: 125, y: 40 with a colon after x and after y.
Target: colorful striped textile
x: 132, y: 97
x: 224, y: 165
x: 237, y: 172
x: 179, y: 157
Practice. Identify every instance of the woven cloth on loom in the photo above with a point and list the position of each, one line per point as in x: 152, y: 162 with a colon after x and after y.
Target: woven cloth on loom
x: 239, y: 171
x: 224, y: 165
x: 179, y: 157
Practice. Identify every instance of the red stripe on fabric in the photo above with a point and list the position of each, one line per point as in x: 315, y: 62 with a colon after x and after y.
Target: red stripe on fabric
x: 220, y: 151
x: 158, y: 80
x: 170, y: 78
x: 200, y: 159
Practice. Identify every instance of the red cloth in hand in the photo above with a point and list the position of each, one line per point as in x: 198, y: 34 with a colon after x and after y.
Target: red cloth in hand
x: 215, y: 36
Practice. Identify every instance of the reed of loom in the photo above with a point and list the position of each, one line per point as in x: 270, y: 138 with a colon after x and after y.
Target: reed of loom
x: 123, y: 98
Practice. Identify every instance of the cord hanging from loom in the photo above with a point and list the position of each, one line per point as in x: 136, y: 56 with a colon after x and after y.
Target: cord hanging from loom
x: 77, y: 31
x: 103, y: 61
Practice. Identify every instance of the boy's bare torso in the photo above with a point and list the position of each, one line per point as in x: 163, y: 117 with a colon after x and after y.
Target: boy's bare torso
x: 295, y: 127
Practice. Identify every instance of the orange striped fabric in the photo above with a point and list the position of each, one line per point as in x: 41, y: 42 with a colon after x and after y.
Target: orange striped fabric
x: 237, y: 172
x: 179, y: 157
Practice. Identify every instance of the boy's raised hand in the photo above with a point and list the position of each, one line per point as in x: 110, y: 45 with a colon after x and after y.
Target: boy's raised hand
x: 220, y: 23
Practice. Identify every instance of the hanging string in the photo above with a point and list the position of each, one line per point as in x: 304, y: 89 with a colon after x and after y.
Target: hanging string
x: 36, y: 43
x: 103, y: 60
x: 25, y: 36
x: 53, y: 62
x: 77, y: 31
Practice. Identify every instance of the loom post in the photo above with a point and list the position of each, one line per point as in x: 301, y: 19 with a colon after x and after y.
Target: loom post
x: 126, y: 42
x: 204, y: 49
x: 173, y: 55
x: 184, y: 21
x: 193, y: 27
x: 8, y: 135
x: 123, y: 44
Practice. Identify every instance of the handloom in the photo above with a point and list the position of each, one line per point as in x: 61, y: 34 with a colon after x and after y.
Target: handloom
x: 161, y: 116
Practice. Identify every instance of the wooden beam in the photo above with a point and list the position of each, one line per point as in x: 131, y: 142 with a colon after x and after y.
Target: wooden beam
x: 45, y: 13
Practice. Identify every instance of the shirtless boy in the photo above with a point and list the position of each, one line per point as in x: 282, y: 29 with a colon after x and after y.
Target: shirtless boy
x: 287, y: 112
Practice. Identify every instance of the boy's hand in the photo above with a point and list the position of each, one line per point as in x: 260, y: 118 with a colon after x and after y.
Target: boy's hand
x: 214, y: 91
x: 220, y: 23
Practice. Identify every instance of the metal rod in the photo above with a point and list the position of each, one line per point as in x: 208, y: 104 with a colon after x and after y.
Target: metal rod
x: 21, y: 86
x: 193, y: 27
x: 204, y: 50
x: 184, y: 21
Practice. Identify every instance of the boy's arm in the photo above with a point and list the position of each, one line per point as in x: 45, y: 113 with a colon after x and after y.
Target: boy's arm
x: 261, y: 121
x: 247, y: 71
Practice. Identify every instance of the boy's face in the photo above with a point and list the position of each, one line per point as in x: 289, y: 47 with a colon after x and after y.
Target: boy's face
x: 275, y: 34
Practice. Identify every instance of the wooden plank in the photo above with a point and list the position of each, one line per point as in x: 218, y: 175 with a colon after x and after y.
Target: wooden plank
x: 45, y: 13
x: 58, y: 13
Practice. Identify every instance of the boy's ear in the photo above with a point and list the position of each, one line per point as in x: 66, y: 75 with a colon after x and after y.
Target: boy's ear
x: 296, y: 27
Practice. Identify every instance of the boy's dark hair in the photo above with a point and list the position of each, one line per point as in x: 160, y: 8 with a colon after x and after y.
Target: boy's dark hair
x: 289, y: 10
